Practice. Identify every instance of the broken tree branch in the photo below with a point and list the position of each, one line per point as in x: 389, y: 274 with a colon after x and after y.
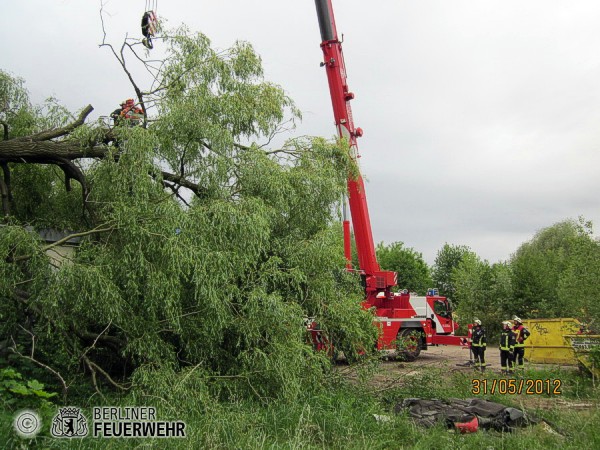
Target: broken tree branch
x: 39, y: 363
x: 59, y: 132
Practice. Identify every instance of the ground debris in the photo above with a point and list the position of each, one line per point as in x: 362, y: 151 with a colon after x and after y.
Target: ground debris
x: 482, y: 414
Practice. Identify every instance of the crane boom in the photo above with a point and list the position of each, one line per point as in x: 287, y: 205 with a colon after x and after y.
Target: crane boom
x: 408, y: 323
x: 376, y: 280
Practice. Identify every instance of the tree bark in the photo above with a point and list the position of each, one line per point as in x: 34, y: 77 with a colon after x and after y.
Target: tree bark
x: 40, y: 148
x: 24, y: 151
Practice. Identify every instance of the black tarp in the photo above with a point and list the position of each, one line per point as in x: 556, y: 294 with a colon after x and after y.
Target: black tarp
x: 490, y: 415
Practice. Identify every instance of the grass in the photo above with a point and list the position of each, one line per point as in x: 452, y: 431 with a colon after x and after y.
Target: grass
x: 342, y: 416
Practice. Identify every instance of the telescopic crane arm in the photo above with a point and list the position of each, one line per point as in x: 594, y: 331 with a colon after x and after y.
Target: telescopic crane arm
x: 376, y: 280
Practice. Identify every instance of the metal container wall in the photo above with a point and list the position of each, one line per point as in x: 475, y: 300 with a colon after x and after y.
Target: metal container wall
x: 582, y: 344
x: 546, y: 344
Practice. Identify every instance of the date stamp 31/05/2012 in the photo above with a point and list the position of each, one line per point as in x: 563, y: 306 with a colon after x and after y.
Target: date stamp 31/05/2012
x: 517, y: 387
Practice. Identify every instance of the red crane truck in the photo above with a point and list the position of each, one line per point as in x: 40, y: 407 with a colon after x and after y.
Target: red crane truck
x: 414, y: 322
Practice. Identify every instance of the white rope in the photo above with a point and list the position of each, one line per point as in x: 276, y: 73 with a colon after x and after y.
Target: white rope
x: 151, y: 5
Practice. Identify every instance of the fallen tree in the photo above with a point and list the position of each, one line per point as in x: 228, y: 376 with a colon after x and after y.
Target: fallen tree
x: 201, y: 249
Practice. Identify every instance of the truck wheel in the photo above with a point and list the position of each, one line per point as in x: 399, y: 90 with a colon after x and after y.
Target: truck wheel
x: 409, y: 344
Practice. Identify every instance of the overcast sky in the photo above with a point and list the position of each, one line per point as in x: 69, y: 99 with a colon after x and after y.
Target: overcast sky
x: 481, y: 118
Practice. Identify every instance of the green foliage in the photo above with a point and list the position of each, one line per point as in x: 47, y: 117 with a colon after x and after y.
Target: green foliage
x: 20, y: 116
x: 537, y: 266
x: 552, y: 273
x: 208, y: 289
x: 13, y: 95
x: 18, y: 392
x: 594, y: 355
x: 582, y: 273
x: 40, y: 190
x: 216, y: 98
x: 447, y: 259
x: 43, y: 199
x: 13, y: 388
x: 413, y: 271
x: 483, y: 291
x: 15, y: 110
x: 550, y: 276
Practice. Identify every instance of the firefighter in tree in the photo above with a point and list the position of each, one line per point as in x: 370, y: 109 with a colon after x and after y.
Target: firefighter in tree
x: 521, y: 335
x: 478, y: 345
x: 129, y: 113
x: 507, y: 347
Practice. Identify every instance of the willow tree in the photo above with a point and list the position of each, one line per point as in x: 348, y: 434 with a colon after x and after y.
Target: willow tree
x: 201, y: 249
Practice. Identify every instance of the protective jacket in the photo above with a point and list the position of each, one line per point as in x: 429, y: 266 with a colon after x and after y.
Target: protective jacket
x: 507, y: 340
x: 521, y: 334
x: 478, y: 338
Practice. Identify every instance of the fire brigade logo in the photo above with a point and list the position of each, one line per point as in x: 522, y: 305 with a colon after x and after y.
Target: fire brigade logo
x: 68, y: 423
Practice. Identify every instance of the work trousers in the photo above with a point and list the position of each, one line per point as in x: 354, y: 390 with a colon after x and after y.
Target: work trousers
x: 478, y: 356
x: 518, y: 358
x: 506, y: 361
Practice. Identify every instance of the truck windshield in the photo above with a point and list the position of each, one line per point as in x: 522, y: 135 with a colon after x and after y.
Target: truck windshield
x: 441, y: 308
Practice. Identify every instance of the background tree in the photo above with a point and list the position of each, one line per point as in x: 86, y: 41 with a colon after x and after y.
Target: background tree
x: 448, y: 258
x: 502, y: 292
x: 471, y: 279
x: 413, y: 271
x: 577, y: 283
x: 538, y: 266
x: 552, y: 275
x: 482, y: 291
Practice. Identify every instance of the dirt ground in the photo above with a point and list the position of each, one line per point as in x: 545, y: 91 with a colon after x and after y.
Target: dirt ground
x: 451, y: 359
x: 454, y: 354
x: 456, y: 359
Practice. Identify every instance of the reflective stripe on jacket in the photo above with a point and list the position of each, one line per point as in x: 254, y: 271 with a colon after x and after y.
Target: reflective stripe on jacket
x: 507, y: 340
x: 479, y: 339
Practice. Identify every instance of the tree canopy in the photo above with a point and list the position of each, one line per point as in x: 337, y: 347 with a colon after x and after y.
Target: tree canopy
x: 554, y: 272
x: 413, y: 272
x: 550, y: 276
x: 202, y: 250
x: 448, y: 258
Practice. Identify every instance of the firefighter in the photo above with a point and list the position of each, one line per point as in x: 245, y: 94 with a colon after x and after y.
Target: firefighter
x: 521, y: 335
x: 116, y: 114
x: 129, y: 113
x: 478, y: 345
x: 132, y: 112
x: 507, y: 347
